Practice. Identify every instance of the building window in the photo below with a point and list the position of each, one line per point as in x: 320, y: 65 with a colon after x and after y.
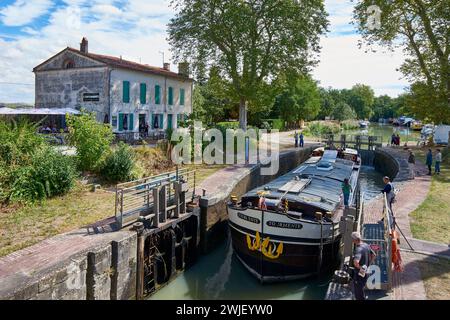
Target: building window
x: 114, y: 121
x: 158, y: 121
x: 157, y: 94
x: 143, y: 93
x: 126, y: 121
x: 91, y: 97
x: 170, y: 96
x: 126, y: 92
x: 69, y: 64
x: 182, y: 93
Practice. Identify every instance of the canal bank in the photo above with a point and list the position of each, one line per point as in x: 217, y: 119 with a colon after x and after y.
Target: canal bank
x: 99, y: 263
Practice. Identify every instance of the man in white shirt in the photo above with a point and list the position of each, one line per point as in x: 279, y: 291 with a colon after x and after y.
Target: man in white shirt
x: 437, y: 167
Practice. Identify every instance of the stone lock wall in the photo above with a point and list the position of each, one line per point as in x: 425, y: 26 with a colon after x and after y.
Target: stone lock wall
x: 105, y: 269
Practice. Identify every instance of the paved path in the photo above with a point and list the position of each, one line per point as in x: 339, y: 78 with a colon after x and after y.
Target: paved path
x: 407, y: 285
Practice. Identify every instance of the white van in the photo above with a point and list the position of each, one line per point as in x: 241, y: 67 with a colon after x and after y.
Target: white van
x: 441, y: 134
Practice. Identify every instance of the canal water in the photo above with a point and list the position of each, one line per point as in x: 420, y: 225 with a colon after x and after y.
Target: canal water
x: 220, y: 275
x: 385, y: 131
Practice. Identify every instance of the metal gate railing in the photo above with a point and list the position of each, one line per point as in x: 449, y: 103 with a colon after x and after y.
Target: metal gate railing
x: 136, y: 198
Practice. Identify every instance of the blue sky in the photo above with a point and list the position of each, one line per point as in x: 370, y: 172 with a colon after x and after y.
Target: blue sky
x: 33, y: 30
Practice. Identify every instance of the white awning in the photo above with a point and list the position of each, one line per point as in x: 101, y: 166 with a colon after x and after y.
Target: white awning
x: 41, y: 111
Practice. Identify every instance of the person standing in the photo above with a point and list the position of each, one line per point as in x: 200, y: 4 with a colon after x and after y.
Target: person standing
x: 296, y: 139
x: 429, y: 161
x: 363, y: 257
x: 346, y: 189
x: 302, y: 140
x: 437, y: 165
x: 389, y: 191
x: 393, y: 139
x: 412, y: 157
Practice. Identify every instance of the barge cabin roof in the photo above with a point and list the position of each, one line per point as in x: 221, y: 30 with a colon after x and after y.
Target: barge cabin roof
x: 317, y: 182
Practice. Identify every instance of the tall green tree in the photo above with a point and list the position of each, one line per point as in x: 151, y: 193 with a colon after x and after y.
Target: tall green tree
x: 300, y: 100
x: 422, y: 29
x: 249, y: 40
x: 327, y: 103
x: 343, y: 111
x: 360, y: 98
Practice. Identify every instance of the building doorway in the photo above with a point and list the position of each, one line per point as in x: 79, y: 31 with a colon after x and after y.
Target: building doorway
x: 143, y: 127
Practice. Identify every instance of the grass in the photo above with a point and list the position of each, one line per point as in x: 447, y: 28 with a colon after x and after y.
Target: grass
x: 436, y: 277
x: 22, y: 226
x: 431, y: 221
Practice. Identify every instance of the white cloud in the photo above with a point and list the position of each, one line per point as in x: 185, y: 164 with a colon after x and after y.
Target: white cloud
x: 137, y: 31
x: 343, y: 65
x: 23, y: 12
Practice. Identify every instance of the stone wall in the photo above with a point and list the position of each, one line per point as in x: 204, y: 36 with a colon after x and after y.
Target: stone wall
x: 393, y: 163
x: 100, y: 268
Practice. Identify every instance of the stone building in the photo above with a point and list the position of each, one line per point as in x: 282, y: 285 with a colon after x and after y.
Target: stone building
x: 125, y: 94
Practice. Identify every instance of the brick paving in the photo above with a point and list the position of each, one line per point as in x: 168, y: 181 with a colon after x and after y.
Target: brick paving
x: 407, y: 285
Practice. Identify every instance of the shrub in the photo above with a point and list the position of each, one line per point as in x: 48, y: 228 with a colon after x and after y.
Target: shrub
x: 119, y: 164
x: 55, y: 171
x: 49, y: 174
x: 350, y: 124
x: 318, y: 128
x: 277, y: 124
x: 18, y: 142
x: 150, y: 161
x: 91, y: 138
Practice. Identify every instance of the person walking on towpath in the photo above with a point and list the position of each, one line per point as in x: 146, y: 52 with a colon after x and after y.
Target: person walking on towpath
x: 296, y: 139
x: 437, y: 165
x: 389, y: 191
x: 302, y: 140
x: 346, y: 189
x: 363, y: 257
x: 429, y: 161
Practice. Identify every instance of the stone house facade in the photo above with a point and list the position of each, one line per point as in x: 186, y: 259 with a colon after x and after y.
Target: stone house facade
x: 126, y: 94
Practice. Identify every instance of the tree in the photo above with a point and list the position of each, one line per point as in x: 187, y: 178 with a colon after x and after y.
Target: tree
x: 248, y: 40
x: 91, y: 138
x: 211, y: 99
x: 383, y: 107
x: 327, y: 103
x: 343, y: 111
x: 360, y: 98
x: 422, y: 29
x: 300, y: 100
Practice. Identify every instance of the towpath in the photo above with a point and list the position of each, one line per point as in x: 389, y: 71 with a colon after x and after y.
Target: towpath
x: 408, y: 285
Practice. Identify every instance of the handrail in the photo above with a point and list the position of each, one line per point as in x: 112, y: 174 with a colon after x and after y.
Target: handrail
x: 138, y: 198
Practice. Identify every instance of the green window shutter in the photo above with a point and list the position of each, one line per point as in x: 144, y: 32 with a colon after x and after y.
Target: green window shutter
x: 170, y: 96
x: 120, y: 121
x: 131, y: 125
x: 161, y: 121
x: 181, y: 97
x: 126, y: 92
x: 157, y: 94
x: 143, y: 93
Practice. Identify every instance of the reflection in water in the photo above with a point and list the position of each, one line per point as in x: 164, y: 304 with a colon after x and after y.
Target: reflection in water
x: 220, y: 275
x: 371, y: 182
x: 385, y: 131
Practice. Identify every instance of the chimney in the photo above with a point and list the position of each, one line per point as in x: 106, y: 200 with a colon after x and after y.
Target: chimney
x: 166, y: 66
x: 84, y: 45
x: 183, y: 69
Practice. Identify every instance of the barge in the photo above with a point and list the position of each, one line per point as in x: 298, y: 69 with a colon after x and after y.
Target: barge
x: 288, y: 229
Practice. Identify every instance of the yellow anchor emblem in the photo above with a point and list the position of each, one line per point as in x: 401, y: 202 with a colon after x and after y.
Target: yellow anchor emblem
x: 268, y: 249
